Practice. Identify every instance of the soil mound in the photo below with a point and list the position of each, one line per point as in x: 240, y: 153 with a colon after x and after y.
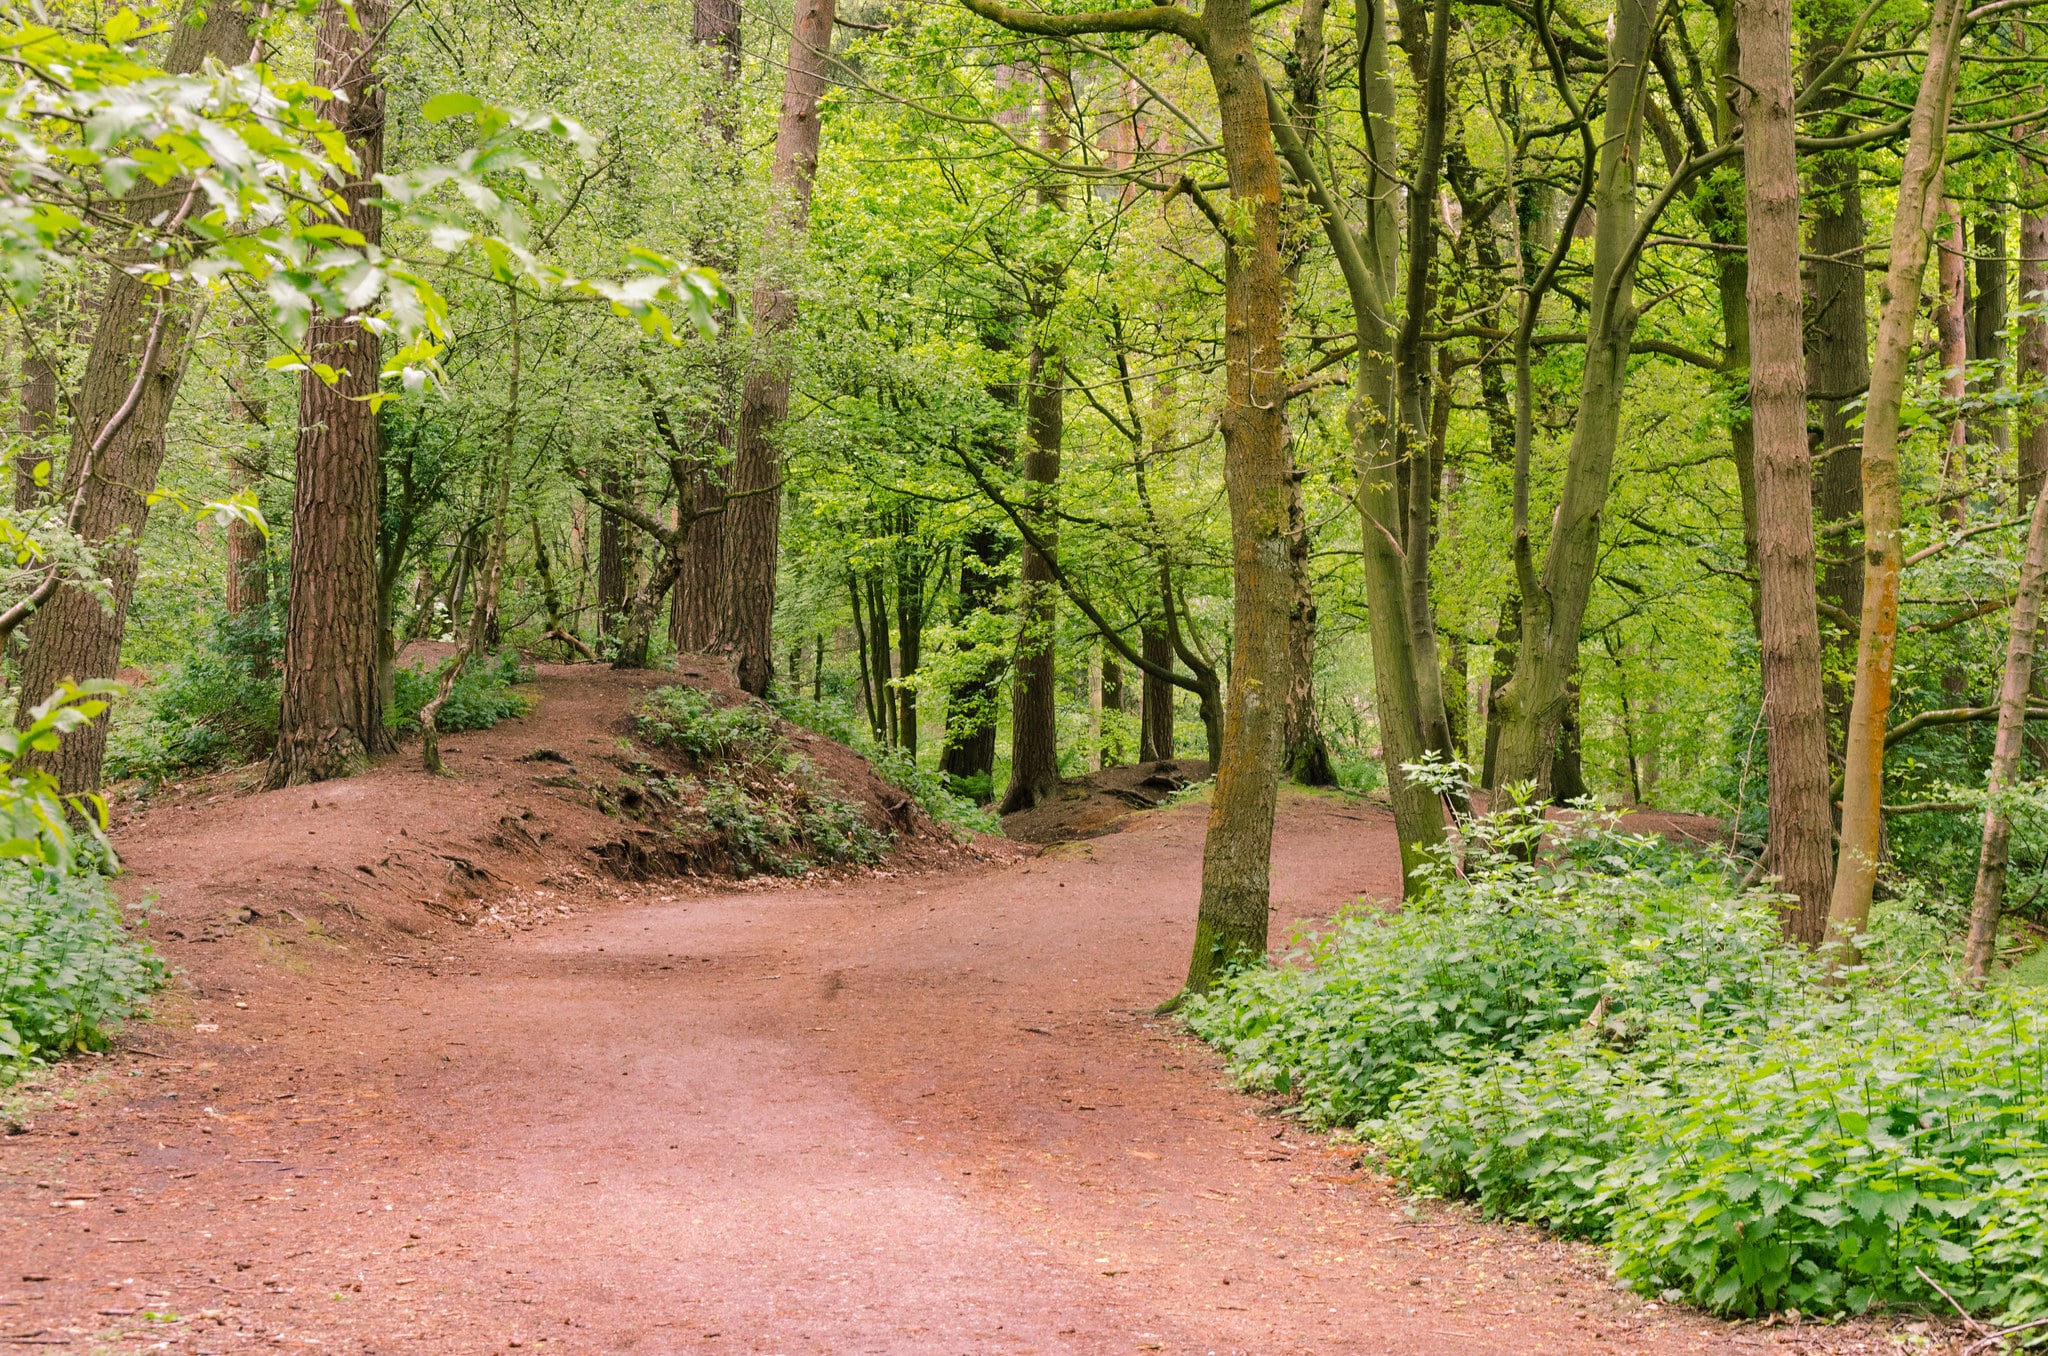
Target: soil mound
x: 1088, y: 807
x: 538, y: 809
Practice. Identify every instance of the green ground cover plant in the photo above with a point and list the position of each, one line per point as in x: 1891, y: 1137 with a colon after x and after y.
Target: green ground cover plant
x: 768, y: 806
x: 894, y: 764
x: 70, y: 973
x: 1607, y: 1038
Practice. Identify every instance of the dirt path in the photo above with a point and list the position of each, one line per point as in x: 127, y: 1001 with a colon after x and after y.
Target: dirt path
x: 924, y: 1113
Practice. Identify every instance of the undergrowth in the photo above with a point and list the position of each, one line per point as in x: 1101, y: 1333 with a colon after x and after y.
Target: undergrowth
x: 762, y: 802
x: 893, y: 764
x: 481, y: 697
x: 69, y: 971
x: 219, y: 708
x: 1611, y: 1041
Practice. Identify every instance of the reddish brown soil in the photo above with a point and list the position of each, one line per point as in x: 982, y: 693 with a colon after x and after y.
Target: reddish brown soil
x: 1099, y: 803
x: 919, y: 1111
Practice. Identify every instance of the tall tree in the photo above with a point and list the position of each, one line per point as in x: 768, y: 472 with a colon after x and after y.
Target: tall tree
x: 1795, y: 712
x: 1230, y: 925
x: 126, y: 388
x: 2031, y: 359
x: 332, y: 715
x: 754, y: 514
x: 1913, y: 222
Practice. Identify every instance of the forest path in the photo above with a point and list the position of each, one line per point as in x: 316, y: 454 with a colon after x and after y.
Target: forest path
x: 920, y: 1113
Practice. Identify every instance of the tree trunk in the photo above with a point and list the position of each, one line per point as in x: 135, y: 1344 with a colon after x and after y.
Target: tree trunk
x: 754, y: 519
x: 1987, y: 320
x: 1507, y: 639
x: 332, y: 715
x: 1113, y: 748
x: 1951, y: 325
x: 2031, y: 361
x: 970, y: 746
x: 1918, y: 206
x: 38, y: 422
x: 1553, y: 606
x: 909, y: 638
x: 1155, y: 696
x: 1034, y: 732
x: 1230, y: 924
x: 1795, y: 713
x: 613, y: 565
x: 1988, y: 900
x: 1306, y: 754
x: 75, y: 635
x: 701, y: 591
x: 1838, y: 373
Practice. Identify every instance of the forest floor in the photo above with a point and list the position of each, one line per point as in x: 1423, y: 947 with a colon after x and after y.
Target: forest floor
x: 920, y: 1109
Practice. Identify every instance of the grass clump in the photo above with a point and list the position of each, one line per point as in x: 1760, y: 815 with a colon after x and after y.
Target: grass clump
x: 759, y: 803
x: 1606, y: 1038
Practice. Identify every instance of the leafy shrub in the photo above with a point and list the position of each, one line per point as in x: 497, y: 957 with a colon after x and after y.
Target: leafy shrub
x: 1610, y: 1041
x: 481, y: 697
x: 69, y: 971
x: 689, y: 720
x: 767, y: 804
x: 219, y: 708
x: 897, y: 766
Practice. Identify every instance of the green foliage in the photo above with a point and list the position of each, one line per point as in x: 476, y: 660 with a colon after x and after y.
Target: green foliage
x: 69, y: 971
x: 482, y: 695
x: 771, y: 809
x: 1611, y: 1041
x: 689, y: 720
x: 37, y: 821
x: 217, y: 709
x: 895, y: 765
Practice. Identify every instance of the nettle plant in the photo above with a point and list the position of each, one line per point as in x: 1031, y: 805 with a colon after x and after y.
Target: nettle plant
x: 1601, y: 1034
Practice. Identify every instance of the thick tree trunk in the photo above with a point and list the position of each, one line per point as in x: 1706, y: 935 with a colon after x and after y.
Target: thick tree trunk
x: 1913, y: 222
x: 701, y: 589
x: 1553, y: 606
x: 332, y: 715
x: 1155, y: 696
x: 970, y: 747
x: 75, y: 635
x: 754, y: 518
x: 1230, y: 925
x: 1034, y: 732
x: 1988, y: 900
x: 1795, y: 713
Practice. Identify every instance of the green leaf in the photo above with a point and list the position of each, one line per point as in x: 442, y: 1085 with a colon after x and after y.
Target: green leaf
x: 442, y: 107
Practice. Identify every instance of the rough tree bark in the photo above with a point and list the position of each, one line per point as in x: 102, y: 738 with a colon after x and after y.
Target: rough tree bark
x: 1918, y: 205
x: 613, y: 558
x: 1795, y: 712
x: 1988, y: 899
x: 73, y: 635
x: 700, y: 587
x: 754, y: 522
x: 1155, y: 697
x: 332, y: 714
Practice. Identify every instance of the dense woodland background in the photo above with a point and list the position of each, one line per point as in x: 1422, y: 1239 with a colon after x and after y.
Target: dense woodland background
x: 1069, y: 399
